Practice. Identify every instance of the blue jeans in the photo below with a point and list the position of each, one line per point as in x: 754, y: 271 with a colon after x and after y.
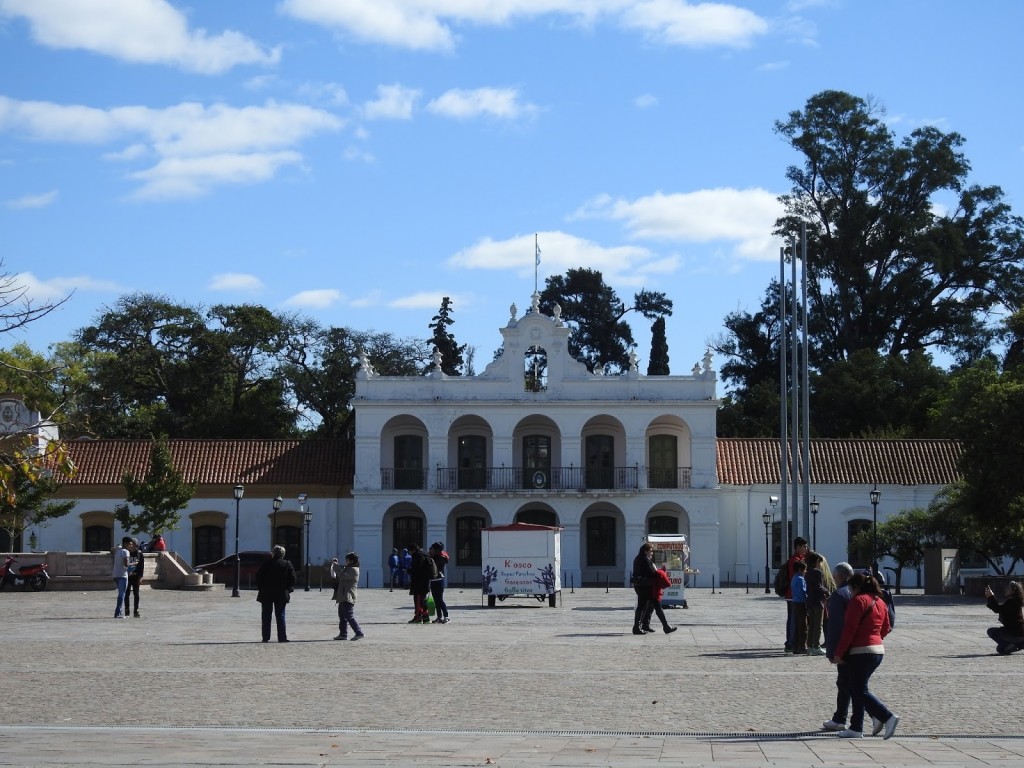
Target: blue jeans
x: 842, y: 693
x: 862, y: 666
x: 122, y: 586
x: 347, y: 618
x: 275, y: 608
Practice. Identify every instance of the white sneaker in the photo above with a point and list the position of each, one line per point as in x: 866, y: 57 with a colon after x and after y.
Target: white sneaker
x: 846, y: 733
x: 876, y: 726
x: 832, y: 725
x: 890, y: 726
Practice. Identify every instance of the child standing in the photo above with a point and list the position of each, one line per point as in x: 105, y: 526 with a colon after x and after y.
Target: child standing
x: 659, y: 582
x: 798, y: 588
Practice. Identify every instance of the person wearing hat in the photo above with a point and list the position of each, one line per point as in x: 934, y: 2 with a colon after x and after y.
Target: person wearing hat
x: 440, y: 558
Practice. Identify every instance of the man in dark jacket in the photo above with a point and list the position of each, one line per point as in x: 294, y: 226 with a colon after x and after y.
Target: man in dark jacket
x: 834, y: 622
x: 1010, y: 636
x: 275, y: 580
x: 420, y: 573
x: 642, y: 578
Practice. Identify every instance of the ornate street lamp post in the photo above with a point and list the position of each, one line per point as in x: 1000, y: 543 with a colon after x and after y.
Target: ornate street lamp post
x: 239, y: 493
x: 278, y: 501
x: 874, y: 495
x: 766, y: 518
x: 307, y: 518
x: 814, y: 527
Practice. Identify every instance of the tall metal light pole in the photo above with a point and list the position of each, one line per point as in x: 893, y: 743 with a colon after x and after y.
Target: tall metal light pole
x: 766, y: 518
x: 239, y: 493
x: 814, y: 527
x: 307, y: 518
x: 278, y: 501
x: 874, y: 495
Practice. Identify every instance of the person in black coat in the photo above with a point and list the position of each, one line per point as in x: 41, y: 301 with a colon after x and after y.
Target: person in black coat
x: 643, y: 578
x: 1009, y: 637
x: 136, y: 568
x: 275, y: 581
x: 420, y: 574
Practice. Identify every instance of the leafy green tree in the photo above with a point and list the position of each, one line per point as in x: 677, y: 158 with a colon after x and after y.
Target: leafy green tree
x: 444, y: 341
x: 888, y: 269
x: 599, y: 336
x: 903, y: 537
x: 29, y: 491
x: 160, y: 494
x: 658, y: 365
x: 321, y: 365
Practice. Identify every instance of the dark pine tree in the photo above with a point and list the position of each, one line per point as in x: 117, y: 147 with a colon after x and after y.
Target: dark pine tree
x: 451, y: 351
x: 658, y: 366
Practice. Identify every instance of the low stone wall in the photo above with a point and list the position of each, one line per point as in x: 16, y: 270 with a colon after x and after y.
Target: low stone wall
x: 77, y: 571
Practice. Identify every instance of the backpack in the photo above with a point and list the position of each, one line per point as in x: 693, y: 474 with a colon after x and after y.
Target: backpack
x: 429, y: 568
x: 782, y: 580
x: 891, y: 605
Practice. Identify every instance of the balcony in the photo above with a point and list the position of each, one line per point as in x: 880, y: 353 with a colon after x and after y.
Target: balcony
x: 507, y: 479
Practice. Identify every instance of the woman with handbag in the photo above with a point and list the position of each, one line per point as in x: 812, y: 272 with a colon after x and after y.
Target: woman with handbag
x: 866, y: 623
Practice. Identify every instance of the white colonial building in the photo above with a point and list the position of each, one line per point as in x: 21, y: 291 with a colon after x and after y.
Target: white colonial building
x: 534, y: 438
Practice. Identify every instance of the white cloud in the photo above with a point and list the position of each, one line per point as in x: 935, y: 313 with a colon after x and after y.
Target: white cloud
x: 428, y: 24
x: 646, y: 100
x: 393, y: 102
x: 559, y: 251
x: 333, y: 94
x: 143, y: 31
x: 426, y: 300
x: 197, y: 147
x: 176, y: 177
x: 773, y: 66
x: 234, y: 281
x: 33, y: 201
x: 57, y: 288
x: 496, y: 102
x: 354, y: 154
x: 320, y: 298
x: 742, y: 216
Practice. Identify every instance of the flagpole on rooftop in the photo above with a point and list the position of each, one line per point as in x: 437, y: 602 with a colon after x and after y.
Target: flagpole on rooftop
x: 536, y: 261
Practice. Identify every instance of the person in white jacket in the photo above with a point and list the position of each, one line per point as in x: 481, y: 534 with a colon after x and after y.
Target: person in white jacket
x: 346, y: 584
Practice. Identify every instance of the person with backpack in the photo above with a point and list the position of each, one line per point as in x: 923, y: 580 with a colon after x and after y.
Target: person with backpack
x: 422, y: 571
x: 865, y: 624
x: 440, y: 558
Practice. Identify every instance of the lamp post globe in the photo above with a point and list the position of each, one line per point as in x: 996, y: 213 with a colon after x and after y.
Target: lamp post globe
x: 239, y: 492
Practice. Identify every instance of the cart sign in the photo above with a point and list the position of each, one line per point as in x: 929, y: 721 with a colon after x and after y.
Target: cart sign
x: 672, y: 552
x: 520, y: 559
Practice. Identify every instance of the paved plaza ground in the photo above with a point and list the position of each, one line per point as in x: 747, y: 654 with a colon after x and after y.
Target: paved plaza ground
x: 522, y: 684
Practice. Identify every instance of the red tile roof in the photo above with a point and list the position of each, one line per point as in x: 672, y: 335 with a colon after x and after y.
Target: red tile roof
x: 755, y: 461
x: 250, y: 462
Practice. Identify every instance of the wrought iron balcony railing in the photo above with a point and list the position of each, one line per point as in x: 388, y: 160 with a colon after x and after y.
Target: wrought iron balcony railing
x: 499, y: 479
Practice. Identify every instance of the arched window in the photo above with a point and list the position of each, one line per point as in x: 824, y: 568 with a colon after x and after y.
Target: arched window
x: 861, y: 557
x: 97, y: 538
x: 601, y: 541
x: 467, y: 541
x: 407, y: 529
x: 663, y: 524
x: 207, y: 544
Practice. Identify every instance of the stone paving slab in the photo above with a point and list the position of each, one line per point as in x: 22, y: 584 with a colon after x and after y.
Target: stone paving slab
x: 522, y: 684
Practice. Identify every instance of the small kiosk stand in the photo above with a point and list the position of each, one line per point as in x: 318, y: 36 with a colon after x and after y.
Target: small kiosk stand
x: 672, y: 551
x: 521, y: 560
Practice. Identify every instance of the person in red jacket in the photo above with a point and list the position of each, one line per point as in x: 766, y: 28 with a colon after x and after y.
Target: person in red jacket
x: 659, y: 581
x: 865, y: 623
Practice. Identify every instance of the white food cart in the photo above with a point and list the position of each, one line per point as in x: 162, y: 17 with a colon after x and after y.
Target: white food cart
x: 521, y: 560
x: 672, y: 551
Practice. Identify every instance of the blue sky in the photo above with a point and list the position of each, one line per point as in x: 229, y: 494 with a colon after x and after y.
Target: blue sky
x: 357, y: 160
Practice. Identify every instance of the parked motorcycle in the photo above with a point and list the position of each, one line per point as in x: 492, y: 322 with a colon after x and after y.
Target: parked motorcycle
x: 34, y: 576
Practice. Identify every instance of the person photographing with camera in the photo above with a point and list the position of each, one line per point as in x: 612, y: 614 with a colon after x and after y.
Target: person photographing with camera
x: 1009, y: 636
